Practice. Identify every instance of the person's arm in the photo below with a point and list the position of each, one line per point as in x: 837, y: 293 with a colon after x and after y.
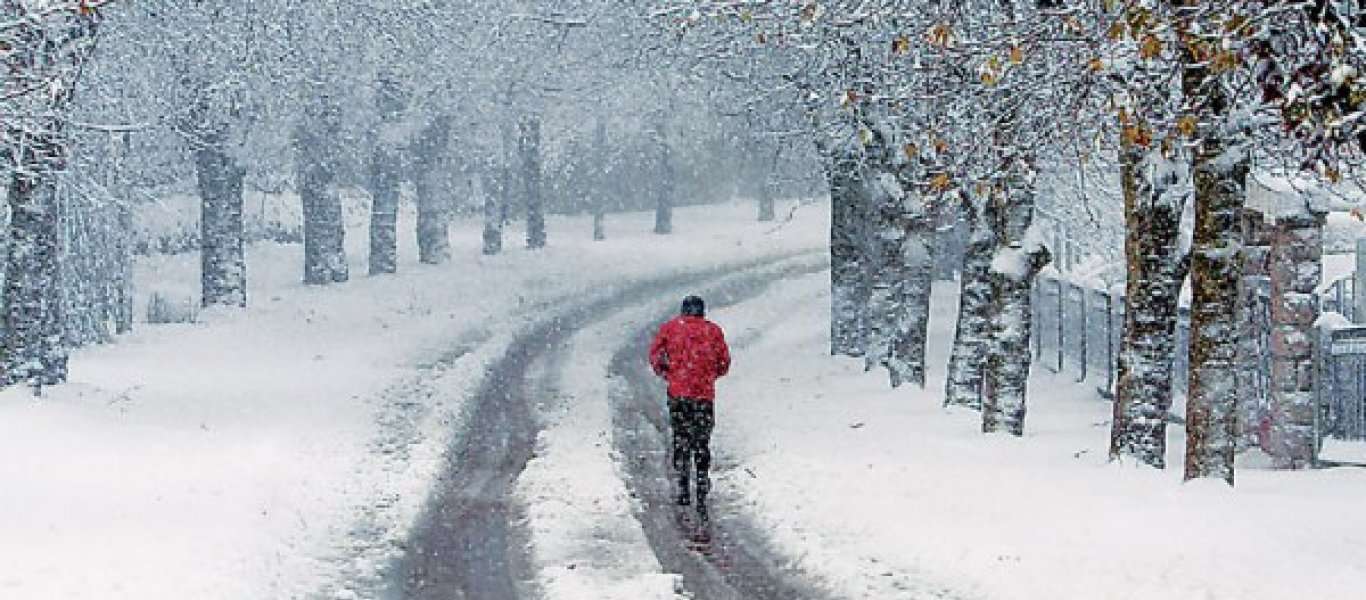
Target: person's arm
x: 722, y: 353
x: 659, y: 359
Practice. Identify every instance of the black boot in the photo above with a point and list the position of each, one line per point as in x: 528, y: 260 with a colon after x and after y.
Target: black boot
x: 703, y: 487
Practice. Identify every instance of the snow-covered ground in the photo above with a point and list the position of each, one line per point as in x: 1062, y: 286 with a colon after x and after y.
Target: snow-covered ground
x: 884, y: 494
x: 278, y: 451
x: 272, y: 452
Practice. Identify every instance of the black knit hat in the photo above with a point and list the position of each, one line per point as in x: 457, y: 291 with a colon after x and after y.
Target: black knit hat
x: 694, y: 307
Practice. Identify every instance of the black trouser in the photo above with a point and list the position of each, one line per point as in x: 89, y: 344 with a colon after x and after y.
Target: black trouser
x: 691, y: 421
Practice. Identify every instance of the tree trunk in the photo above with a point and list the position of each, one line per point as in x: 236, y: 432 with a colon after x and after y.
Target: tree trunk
x: 664, y: 201
x: 1154, y: 198
x: 123, y: 283
x: 848, y: 285
x: 324, y: 226
x: 899, y: 280
x: 34, y: 351
x: 598, y: 179
x: 384, y: 168
x: 530, y: 150
x: 767, y: 188
x: 1219, y: 170
x: 493, y: 212
x: 1212, y: 402
x: 431, y: 169
x: 385, y: 172
x: 599, y: 225
x: 223, y: 262
x: 912, y: 336
x: 1016, y: 262
x: 968, y: 359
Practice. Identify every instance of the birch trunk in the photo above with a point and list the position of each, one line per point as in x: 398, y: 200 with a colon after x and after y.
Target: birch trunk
x: 967, y: 360
x: 1154, y: 198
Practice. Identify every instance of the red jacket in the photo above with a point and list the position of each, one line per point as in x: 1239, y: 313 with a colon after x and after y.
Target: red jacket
x: 691, y: 353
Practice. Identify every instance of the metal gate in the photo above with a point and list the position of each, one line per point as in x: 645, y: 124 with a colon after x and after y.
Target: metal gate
x: 1342, y: 385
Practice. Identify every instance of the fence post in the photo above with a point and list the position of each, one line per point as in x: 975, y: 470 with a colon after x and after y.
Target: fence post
x: 1109, y: 342
x: 1062, y: 311
x: 1033, y: 317
x: 1036, y: 307
x: 1085, y: 334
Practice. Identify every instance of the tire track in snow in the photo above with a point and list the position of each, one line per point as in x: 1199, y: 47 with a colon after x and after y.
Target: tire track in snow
x: 467, y: 544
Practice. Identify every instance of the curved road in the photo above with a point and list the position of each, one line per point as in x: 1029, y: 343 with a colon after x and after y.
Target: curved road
x: 467, y: 544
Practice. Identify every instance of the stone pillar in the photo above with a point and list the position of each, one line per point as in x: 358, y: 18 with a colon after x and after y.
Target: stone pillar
x: 1254, y: 330
x: 1296, y: 250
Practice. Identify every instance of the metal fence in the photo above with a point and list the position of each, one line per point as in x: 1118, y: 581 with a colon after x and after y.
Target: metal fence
x: 1340, y: 297
x: 1341, y: 385
x: 1077, y: 330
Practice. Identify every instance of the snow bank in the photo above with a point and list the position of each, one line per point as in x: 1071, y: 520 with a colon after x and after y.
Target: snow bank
x: 284, y: 450
x: 888, y: 495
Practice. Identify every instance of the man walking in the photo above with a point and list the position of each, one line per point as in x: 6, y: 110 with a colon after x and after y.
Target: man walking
x: 690, y: 353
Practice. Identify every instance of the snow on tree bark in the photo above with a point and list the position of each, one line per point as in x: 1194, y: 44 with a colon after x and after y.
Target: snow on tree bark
x: 1296, y: 272
x: 1155, y: 193
x: 316, y: 146
x: 385, y: 171
x: 1220, y: 175
x: 34, y: 351
x: 223, y: 265
x: 1017, y: 260
x: 899, y: 272
x: 848, y: 284
x: 123, y: 281
x: 529, y: 150
x: 967, y: 360
x: 431, y: 166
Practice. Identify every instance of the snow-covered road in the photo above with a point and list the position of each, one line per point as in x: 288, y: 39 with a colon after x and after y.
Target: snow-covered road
x: 477, y: 539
